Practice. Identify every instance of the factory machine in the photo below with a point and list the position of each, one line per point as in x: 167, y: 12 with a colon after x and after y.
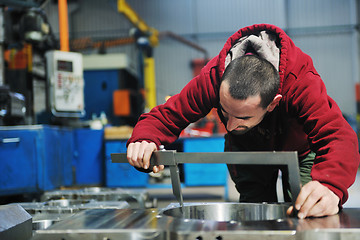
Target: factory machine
x: 38, y: 83
x: 25, y: 37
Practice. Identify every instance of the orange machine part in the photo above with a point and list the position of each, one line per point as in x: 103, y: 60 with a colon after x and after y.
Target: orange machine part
x: 357, y: 92
x: 19, y: 59
x: 121, y: 103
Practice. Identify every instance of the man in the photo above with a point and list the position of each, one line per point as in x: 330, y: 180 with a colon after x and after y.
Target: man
x: 270, y: 97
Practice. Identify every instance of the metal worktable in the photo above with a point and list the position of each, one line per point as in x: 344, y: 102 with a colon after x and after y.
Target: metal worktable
x: 218, y: 221
x: 155, y: 224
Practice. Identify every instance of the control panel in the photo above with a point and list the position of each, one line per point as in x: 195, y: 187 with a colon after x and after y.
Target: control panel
x: 66, y: 83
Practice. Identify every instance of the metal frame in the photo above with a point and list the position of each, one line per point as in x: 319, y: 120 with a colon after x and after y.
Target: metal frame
x: 172, y: 158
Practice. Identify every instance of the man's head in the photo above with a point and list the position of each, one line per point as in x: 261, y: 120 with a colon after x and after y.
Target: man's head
x: 247, y: 92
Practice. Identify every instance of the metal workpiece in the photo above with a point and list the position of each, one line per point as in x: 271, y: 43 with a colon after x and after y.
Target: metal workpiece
x: 205, y: 221
x: 172, y: 158
x: 228, y: 212
x: 45, y: 214
x: 66, y: 206
x: 141, y: 196
x: 105, y: 224
x: 15, y: 223
x: 60, y: 204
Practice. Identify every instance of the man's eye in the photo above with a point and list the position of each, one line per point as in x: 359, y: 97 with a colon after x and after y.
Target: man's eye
x: 244, y: 118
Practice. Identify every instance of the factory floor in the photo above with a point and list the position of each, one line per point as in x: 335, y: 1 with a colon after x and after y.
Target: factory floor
x: 164, y: 196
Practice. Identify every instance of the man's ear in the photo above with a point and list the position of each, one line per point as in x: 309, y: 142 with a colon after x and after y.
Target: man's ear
x: 274, y: 103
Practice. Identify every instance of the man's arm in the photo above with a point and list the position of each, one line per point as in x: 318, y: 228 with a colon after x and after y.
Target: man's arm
x: 164, y: 123
x: 331, y: 138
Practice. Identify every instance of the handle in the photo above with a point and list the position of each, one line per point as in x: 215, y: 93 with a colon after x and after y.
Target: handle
x: 10, y: 140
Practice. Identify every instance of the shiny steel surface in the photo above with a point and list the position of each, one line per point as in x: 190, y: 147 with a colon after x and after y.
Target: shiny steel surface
x: 43, y: 224
x: 69, y: 206
x: 226, y: 212
x: 154, y: 224
x: 15, y: 223
x: 100, y: 194
x: 45, y: 214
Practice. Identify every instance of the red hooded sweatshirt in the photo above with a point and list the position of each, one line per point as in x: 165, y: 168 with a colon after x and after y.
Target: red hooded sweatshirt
x: 315, y: 122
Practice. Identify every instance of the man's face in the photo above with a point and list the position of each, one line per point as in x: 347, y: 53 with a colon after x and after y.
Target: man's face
x: 240, y: 115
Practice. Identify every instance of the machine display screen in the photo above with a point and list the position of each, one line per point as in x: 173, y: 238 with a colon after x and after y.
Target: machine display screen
x: 65, y: 66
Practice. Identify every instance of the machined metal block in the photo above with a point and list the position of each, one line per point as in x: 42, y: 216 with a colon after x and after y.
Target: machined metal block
x: 15, y: 223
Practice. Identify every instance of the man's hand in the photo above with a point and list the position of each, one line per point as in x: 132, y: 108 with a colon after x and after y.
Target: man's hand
x: 315, y: 200
x: 139, y: 153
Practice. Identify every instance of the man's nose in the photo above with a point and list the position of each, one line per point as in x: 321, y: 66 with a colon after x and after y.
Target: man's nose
x: 232, y: 123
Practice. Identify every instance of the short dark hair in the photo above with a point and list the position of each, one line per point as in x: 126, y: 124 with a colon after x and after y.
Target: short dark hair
x: 251, y: 75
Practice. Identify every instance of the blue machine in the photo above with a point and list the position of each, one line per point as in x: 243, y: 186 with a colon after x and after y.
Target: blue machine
x: 89, y: 155
x: 98, y: 91
x: 121, y: 174
x: 35, y: 158
x: 39, y: 158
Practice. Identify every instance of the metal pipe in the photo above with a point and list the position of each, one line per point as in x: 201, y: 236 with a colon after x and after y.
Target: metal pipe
x: 184, y: 41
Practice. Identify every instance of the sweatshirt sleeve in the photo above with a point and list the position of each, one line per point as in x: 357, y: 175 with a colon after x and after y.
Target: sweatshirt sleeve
x: 164, y: 123
x: 330, y: 136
